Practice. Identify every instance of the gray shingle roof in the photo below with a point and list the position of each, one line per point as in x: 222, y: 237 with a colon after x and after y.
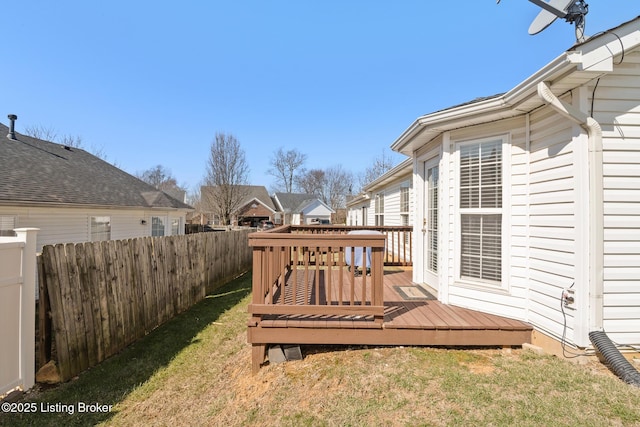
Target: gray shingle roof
x: 258, y: 192
x: 33, y: 171
x: 249, y: 193
x: 294, y: 202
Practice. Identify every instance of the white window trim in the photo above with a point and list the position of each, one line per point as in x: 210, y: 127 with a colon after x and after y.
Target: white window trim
x: 180, y: 225
x: 505, y: 211
x: 6, y: 219
x: 405, y: 186
x: 91, y: 235
x: 165, y: 224
x: 379, y: 214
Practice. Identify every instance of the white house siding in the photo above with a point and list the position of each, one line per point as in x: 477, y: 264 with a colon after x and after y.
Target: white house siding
x: 354, y: 213
x: 71, y: 225
x: 617, y: 109
x: 315, y: 210
x: 556, y: 208
x: 510, y: 298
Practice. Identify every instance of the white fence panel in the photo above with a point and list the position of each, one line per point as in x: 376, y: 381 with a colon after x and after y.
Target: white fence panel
x: 17, y: 310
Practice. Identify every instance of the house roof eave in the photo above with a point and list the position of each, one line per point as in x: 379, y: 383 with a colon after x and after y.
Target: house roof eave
x: 360, y: 198
x: 404, y: 168
x: 63, y: 205
x: 255, y: 199
x: 507, y: 105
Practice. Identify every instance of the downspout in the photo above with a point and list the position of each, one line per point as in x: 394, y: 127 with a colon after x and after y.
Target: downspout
x: 596, y: 201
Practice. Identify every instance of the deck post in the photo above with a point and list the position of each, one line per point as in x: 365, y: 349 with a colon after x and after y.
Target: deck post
x: 258, y: 351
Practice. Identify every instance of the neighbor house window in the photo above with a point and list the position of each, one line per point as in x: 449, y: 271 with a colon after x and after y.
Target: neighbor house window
x: 157, y: 226
x: 481, y: 211
x: 379, y: 209
x: 175, y: 226
x: 100, y: 228
x: 7, y: 224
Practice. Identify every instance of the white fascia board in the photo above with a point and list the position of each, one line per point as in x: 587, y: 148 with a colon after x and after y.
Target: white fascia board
x: 278, y: 204
x: 449, y: 119
x: 360, y: 198
x: 309, y: 202
x: 487, y: 110
x: 594, y: 57
x: 255, y: 199
x: 554, y: 70
x: 404, y: 168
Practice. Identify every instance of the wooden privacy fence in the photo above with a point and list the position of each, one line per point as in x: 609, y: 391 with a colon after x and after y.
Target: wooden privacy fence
x: 105, y: 295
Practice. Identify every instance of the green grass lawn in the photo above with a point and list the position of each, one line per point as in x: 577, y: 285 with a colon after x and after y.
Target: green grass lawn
x: 196, y: 370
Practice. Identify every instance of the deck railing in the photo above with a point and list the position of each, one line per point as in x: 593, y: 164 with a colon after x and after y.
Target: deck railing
x: 398, y: 241
x: 294, y: 273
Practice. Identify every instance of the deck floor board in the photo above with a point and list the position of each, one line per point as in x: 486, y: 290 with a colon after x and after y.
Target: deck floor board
x: 409, y: 319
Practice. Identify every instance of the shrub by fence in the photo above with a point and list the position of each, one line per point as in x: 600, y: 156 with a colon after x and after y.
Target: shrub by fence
x: 105, y: 295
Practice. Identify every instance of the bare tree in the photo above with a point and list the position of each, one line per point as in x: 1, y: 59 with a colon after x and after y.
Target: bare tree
x: 284, y: 165
x: 337, y: 184
x: 50, y: 134
x: 311, y: 182
x: 331, y: 185
x: 380, y: 165
x: 41, y: 132
x: 227, y: 177
x: 161, y: 178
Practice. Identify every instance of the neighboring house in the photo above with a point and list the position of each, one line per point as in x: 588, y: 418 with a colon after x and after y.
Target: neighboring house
x: 537, y: 196
x: 358, y: 209
x: 73, y: 196
x: 256, y: 206
x: 386, y: 201
x: 300, y: 209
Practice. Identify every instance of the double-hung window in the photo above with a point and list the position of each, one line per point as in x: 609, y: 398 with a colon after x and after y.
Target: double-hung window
x: 100, y: 228
x: 7, y: 224
x: 175, y: 226
x: 379, y: 209
x: 157, y: 226
x: 480, y: 211
x: 404, y: 209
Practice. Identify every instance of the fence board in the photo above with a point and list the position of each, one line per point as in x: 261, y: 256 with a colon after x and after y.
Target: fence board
x: 105, y: 295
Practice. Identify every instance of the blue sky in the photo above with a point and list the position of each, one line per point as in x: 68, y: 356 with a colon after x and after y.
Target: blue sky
x: 151, y: 82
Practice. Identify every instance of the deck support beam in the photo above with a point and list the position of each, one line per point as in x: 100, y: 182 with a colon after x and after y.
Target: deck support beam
x: 258, y: 352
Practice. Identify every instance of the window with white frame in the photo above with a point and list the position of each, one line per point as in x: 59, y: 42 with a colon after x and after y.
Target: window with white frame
x: 7, y: 224
x: 481, y: 210
x: 432, y: 175
x: 404, y: 209
x: 404, y: 199
x: 157, y: 226
x: 175, y: 226
x: 100, y: 228
x: 379, y: 209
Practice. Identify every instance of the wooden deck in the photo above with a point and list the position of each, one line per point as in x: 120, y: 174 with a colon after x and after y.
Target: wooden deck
x: 411, y: 316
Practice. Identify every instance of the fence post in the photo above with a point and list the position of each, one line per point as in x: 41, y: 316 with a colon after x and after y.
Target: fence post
x: 28, y: 308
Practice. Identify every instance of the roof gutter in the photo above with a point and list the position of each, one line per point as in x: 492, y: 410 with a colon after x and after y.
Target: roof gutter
x: 491, y: 108
x: 405, y: 166
x: 596, y: 204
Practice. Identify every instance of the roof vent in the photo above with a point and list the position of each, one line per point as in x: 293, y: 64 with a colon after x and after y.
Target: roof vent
x: 12, y: 125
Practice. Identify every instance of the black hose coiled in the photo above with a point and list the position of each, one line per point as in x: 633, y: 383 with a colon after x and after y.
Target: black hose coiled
x: 616, y: 361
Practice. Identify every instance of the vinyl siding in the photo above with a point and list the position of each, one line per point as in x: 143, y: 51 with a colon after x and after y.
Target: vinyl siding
x: 391, y: 192
x: 617, y: 109
x: 71, y: 225
x: 316, y: 210
x: 392, y: 203
x: 508, y: 299
x: 552, y: 219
